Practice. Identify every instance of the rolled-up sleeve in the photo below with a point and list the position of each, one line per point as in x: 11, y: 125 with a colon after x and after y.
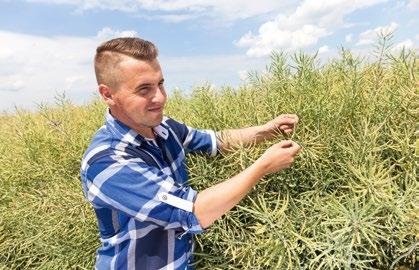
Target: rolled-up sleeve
x: 201, y: 141
x: 141, y: 191
x: 194, y: 140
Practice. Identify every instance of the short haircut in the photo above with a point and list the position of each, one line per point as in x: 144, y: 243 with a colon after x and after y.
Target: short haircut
x: 111, y: 53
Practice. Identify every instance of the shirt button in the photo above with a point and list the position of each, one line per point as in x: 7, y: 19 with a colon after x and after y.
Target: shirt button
x: 190, y: 241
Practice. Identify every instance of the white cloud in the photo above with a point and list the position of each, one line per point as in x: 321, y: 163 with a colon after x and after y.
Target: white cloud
x: 323, y: 49
x: 81, y: 5
x: 348, y: 25
x: 311, y: 21
x: 370, y: 36
x: 271, y: 37
x: 348, y: 37
x: 35, y: 68
x: 406, y: 44
x: 173, y: 18
x: 327, y: 13
x: 243, y: 74
x: 180, y: 10
x: 11, y: 83
x: 413, y: 4
x: 187, y: 71
x: 108, y: 33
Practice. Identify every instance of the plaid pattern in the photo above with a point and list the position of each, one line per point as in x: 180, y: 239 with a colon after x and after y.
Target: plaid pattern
x: 138, y: 190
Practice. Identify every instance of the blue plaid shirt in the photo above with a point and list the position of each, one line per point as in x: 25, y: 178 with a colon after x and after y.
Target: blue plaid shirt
x: 138, y: 190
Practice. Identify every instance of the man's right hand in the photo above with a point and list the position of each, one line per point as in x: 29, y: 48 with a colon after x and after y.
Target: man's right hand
x: 279, y: 156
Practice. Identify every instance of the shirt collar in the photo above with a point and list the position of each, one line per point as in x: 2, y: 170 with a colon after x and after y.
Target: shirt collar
x: 126, y: 134
x: 162, y: 131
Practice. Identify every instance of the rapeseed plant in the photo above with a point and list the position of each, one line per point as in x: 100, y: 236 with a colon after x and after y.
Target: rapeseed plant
x: 348, y: 202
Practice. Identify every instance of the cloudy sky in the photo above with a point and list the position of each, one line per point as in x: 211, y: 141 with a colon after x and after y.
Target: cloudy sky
x: 47, y: 46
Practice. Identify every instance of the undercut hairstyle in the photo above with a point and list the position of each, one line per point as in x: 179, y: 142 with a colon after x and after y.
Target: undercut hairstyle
x: 111, y: 53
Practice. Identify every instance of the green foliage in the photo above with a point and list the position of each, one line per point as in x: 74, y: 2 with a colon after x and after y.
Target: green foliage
x: 348, y: 202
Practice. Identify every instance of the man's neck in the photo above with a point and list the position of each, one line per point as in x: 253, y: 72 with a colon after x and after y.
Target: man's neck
x: 146, y: 133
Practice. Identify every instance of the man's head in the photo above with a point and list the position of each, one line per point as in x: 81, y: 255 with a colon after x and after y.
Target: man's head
x: 111, y: 53
x: 131, y: 82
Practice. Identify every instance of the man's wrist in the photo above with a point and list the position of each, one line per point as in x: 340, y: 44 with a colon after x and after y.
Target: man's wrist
x: 260, y: 167
x: 268, y: 131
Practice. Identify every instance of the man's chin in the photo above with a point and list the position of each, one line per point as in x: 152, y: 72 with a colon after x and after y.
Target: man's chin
x: 157, y: 121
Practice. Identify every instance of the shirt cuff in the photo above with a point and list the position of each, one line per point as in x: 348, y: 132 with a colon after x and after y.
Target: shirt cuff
x: 214, y: 145
x: 192, y: 224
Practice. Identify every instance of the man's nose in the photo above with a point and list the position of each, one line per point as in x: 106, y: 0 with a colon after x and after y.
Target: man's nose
x: 159, y: 95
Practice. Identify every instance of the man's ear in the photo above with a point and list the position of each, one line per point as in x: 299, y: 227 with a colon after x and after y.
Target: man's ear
x: 106, y: 94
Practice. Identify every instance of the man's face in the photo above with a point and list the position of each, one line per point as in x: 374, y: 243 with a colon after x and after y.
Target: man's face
x: 140, y: 98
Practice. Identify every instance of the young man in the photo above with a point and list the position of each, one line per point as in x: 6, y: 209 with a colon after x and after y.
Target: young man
x: 134, y: 172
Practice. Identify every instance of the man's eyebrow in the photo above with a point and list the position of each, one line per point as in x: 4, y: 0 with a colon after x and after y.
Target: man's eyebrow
x: 148, y: 84
x: 143, y: 85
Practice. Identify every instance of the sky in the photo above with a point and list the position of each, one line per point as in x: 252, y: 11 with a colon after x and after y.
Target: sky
x: 47, y: 46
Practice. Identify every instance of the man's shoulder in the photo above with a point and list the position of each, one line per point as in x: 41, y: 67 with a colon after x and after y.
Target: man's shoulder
x: 100, y: 146
x: 180, y: 129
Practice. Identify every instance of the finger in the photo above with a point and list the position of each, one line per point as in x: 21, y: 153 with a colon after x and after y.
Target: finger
x: 284, y: 127
x: 286, y: 121
x: 295, y: 147
x: 291, y: 116
x: 285, y: 144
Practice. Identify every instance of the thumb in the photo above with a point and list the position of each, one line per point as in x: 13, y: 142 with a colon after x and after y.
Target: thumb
x: 285, y: 144
x: 296, y: 147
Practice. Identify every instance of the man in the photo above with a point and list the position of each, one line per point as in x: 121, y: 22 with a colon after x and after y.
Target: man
x: 134, y: 172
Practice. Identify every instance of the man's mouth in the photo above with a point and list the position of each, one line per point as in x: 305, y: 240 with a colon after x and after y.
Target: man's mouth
x: 156, y: 109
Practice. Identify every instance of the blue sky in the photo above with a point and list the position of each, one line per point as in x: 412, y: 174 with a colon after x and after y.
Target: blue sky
x: 47, y: 46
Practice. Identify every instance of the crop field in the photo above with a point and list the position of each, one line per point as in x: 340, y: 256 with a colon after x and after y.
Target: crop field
x: 350, y: 200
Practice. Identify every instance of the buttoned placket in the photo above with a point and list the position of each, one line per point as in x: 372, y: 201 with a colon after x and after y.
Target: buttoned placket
x: 160, y: 142
x: 155, y: 151
x: 190, y: 253
x: 159, y: 148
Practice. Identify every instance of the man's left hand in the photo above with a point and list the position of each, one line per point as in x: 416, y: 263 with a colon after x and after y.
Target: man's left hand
x: 285, y: 123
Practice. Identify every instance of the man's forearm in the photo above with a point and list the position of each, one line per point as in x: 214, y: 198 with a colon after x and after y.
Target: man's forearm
x: 215, y: 201
x: 230, y: 139
x: 233, y: 138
